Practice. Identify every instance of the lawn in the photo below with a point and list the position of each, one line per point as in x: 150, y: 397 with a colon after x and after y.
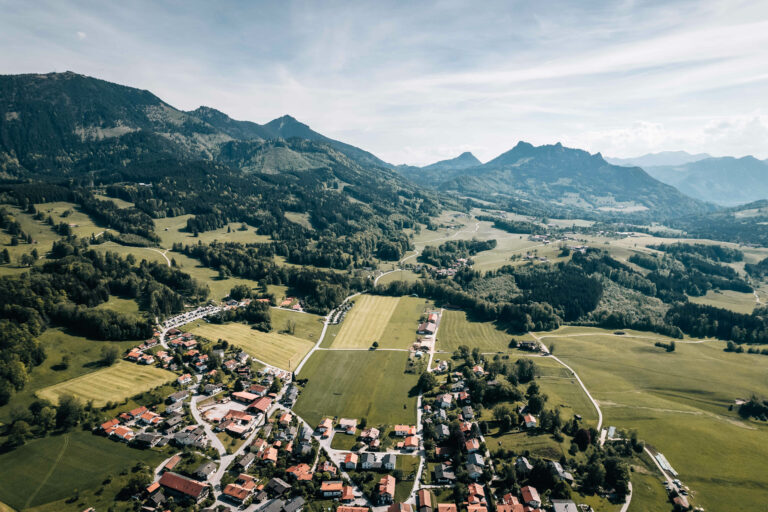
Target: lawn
x: 83, y: 355
x: 456, y: 329
x: 519, y: 442
x: 114, y: 383
x: 358, y: 384
x: 281, y: 350
x: 342, y: 441
x: 678, y: 402
x: 408, y: 465
x: 366, y: 321
x: 52, y: 468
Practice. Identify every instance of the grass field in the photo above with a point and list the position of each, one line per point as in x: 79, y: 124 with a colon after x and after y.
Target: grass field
x: 727, y: 299
x: 358, y: 384
x: 391, y: 321
x: 219, y: 287
x: 128, y: 306
x: 140, y: 253
x: 83, y: 355
x: 678, y: 402
x: 399, y: 275
x: 170, y: 231
x: 281, y: 350
x: 563, y: 391
x: 456, y: 329
x: 50, y: 469
x: 115, y: 383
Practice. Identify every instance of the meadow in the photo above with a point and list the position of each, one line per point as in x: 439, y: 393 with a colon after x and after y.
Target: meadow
x: 281, y: 350
x: 727, y: 299
x: 456, y: 329
x: 81, y: 353
x: 679, y: 403
x: 111, y: 384
x: 171, y: 230
x: 358, y: 384
x: 54, y: 468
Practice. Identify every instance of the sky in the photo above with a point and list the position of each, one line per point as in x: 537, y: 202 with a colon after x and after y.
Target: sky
x: 417, y: 82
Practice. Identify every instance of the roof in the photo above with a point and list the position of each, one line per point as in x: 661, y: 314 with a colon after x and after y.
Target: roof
x: 447, y: 507
x: 387, y: 485
x: 477, y: 508
x: 183, y: 484
x: 400, y: 507
x: 332, y: 485
x: 300, y: 471
x: 236, y: 491
x: 472, y: 444
x: 344, y: 508
x: 262, y: 404
x: 425, y: 499
x: 530, y: 494
x: 172, y: 462
x: 511, y: 507
x: 411, y: 442
x: 350, y: 458
x: 347, y: 493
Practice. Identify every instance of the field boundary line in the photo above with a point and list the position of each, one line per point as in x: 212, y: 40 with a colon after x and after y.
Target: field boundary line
x: 49, y: 474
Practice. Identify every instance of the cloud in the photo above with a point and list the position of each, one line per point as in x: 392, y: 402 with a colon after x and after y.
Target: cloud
x: 81, y: 35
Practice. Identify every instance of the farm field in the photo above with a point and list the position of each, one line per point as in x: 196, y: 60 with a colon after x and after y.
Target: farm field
x: 170, y: 231
x: 114, y: 383
x: 306, y: 325
x: 358, y: 384
x: 678, y: 402
x: 456, y: 329
x: 50, y: 469
x: 563, y: 390
x: 281, y: 350
x: 366, y: 321
x: 83, y: 355
x: 727, y: 299
x: 400, y: 331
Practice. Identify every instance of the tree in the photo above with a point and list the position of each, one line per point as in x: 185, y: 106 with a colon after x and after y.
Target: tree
x: 427, y: 381
x: 536, y: 403
x: 109, y: 355
x: 19, y: 432
x: 582, y: 439
x: 69, y: 412
x: 47, y: 419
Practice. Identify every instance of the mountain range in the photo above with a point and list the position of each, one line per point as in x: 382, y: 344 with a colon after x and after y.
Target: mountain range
x: 657, y: 159
x: 59, y: 125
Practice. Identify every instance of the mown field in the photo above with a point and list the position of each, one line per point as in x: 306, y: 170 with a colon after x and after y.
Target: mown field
x: 456, y: 330
x: 81, y: 353
x: 171, y: 230
x: 281, y: 350
x: 114, y: 383
x: 391, y: 321
x: 358, y: 384
x: 52, y: 469
x: 678, y: 402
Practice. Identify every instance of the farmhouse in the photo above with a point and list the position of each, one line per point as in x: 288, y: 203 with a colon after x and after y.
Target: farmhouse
x: 261, y: 405
x: 325, y: 427
x: 427, y: 328
x: 531, y: 496
x: 348, y: 426
x: 529, y: 421
x: 385, y: 491
x: 181, y: 486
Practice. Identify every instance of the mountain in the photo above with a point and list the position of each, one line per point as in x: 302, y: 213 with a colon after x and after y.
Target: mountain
x: 565, y: 179
x: 462, y: 161
x: 657, y: 159
x: 67, y: 123
x: 727, y: 181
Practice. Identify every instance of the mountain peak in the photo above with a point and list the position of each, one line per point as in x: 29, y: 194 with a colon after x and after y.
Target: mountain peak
x: 463, y: 161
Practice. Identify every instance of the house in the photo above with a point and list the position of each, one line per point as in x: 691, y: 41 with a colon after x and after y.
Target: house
x: 348, y: 426
x: 332, y: 488
x: 445, y: 401
x: 523, y: 466
x: 464, y: 397
x: 443, y: 452
x: 277, y: 487
x: 241, y: 489
x: 530, y: 421
x: 427, y: 328
x: 185, y: 380
x: 244, y: 397
x: 270, y: 455
x: 466, y: 428
x: 301, y: 472
x: 385, y: 491
x: 325, y: 427
x: 476, y: 494
x: 285, y: 419
x: 478, y: 370
x: 205, y: 470
x: 367, y: 460
x: 107, y: 426
x: 400, y: 507
x: 179, y: 395
x: 531, y: 496
x: 511, y: 507
x: 258, y: 389
x: 477, y: 508
x: 146, y: 440
x: 246, y: 461
x: 472, y: 445
x: 447, y: 507
x: 559, y: 472
x: 175, y: 407
x: 411, y: 443
x: 405, y: 430
x: 295, y: 505
x: 328, y: 467
x: 467, y: 413
x: 350, y: 461
x: 183, y: 487
x: 290, y: 396
x: 476, y: 459
x: 425, y: 500
x: 444, y: 474
x: 137, y: 412
x: 172, y: 422
x: 230, y: 364
x: 389, y: 461
x: 370, y: 434
x: 122, y: 433
x: 564, y: 506
x: 172, y: 462
x: 528, y: 345
x: 211, y: 389
x: 474, y: 472
x: 347, y: 494
x: 261, y: 405
x: 442, y: 431
x: 150, y: 418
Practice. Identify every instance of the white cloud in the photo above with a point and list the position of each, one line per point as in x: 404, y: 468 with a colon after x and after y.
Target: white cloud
x: 81, y: 35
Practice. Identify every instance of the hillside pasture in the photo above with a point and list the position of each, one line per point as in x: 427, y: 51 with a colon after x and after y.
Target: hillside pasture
x: 366, y: 321
x: 456, y: 330
x: 728, y: 299
x: 358, y: 384
x: 112, y: 384
x: 50, y: 469
x: 173, y: 229
x: 679, y: 403
x: 281, y: 350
